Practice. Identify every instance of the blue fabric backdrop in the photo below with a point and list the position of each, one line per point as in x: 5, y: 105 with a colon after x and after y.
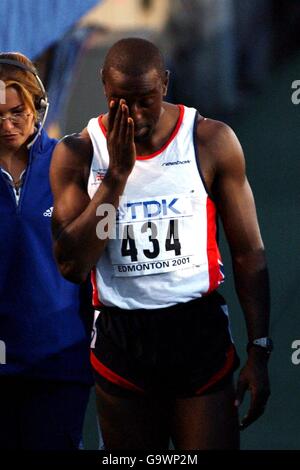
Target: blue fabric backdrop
x: 30, y: 26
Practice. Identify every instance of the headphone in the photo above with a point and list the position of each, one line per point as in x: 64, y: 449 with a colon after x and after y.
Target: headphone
x: 42, y: 105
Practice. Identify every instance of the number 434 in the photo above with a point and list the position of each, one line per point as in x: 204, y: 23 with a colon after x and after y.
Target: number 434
x: 171, y: 242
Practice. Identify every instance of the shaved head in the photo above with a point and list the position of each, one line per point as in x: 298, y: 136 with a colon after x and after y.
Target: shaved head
x: 134, y: 57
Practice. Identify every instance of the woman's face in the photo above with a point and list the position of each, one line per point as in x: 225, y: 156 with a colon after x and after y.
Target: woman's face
x: 14, y: 133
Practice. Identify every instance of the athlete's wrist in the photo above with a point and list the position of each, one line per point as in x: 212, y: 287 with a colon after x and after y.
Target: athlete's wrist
x: 115, y: 177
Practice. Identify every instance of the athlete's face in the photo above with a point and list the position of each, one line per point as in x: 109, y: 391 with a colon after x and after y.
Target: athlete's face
x: 18, y: 123
x: 143, y: 95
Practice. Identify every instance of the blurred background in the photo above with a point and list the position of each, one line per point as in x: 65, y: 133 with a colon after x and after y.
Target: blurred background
x: 234, y: 60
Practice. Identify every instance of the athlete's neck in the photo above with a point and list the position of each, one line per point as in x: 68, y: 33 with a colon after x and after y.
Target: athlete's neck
x: 164, y: 129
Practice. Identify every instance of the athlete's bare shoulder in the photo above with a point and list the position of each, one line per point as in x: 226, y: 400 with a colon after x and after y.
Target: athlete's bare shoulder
x: 215, y: 135
x: 74, y: 152
x: 79, y: 145
x: 219, y: 149
x: 73, y: 155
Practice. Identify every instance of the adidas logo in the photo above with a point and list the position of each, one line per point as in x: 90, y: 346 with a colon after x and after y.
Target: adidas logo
x: 48, y: 212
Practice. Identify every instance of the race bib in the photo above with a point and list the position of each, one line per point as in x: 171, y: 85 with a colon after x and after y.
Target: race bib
x: 153, y: 236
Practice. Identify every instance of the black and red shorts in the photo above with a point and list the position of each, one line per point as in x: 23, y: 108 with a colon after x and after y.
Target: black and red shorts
x: 181, y: 351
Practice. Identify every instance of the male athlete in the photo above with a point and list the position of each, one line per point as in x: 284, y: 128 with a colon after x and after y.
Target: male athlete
x: 163, y: 356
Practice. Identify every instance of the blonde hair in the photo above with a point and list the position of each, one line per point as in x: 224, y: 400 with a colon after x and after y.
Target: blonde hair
x: 25, y: 96
x: 22, y: 80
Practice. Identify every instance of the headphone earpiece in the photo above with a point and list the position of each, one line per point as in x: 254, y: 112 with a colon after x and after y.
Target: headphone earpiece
x: 41, y: 104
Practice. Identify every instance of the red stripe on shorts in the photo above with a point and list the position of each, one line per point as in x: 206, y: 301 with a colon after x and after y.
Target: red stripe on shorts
x: 230, y: 356
x: 112, y: 376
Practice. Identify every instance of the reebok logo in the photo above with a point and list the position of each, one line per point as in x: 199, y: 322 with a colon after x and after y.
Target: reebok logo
x: 178, y: 162
x: 48, y: 212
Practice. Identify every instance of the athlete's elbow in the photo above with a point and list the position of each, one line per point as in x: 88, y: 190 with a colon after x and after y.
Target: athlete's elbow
x: 73, y: 275
x: 71, y: 271
x: 252, y: 260
x: 67, y: 265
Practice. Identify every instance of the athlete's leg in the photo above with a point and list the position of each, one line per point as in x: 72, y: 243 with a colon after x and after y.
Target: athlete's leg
x: 133, y: 422
x: 206, y: 422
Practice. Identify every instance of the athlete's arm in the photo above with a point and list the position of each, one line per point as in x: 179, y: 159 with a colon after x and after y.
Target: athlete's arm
x: 225, y: 166
x: 77, y: 247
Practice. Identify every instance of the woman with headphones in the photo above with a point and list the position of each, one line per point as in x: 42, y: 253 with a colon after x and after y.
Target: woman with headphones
x: 45, y: 374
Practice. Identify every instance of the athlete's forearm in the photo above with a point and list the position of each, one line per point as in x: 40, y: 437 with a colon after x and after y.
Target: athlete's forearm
x: 78, y: 246
x: 252, y: 287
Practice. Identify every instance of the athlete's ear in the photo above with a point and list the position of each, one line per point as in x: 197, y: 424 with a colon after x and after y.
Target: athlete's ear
x: 103, y: 80
x: 102, y: 76
x: 166, y: 82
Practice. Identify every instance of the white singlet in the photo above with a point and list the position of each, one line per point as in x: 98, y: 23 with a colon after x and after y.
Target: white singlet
x: 164, y: 249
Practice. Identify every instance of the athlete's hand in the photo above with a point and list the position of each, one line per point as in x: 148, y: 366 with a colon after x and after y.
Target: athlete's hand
x: 120, y: 139
x: 253, y: 377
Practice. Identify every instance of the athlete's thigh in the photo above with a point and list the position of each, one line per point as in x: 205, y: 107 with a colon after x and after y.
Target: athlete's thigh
x: 206, y: 422
x: 133, y: 422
